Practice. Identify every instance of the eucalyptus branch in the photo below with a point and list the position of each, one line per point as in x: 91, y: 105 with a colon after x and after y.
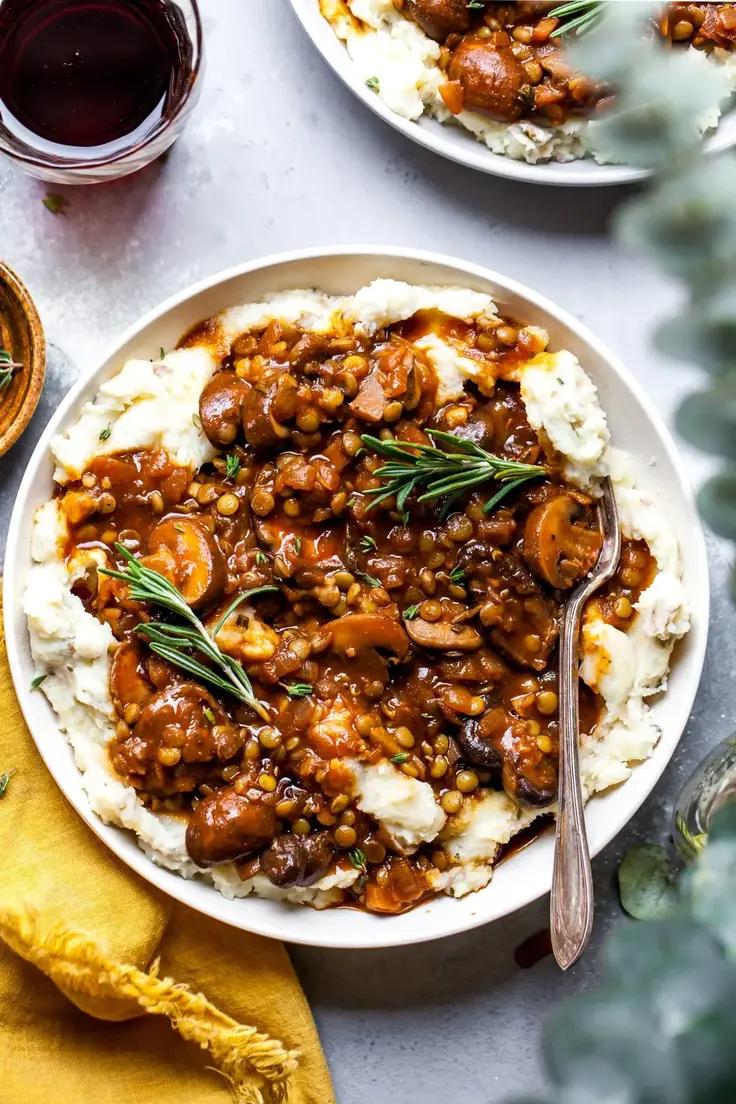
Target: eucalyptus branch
x: 444, y: 474
x: 177, y: 643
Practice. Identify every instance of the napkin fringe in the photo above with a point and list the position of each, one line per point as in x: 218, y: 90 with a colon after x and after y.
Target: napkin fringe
x: 256, y: 1067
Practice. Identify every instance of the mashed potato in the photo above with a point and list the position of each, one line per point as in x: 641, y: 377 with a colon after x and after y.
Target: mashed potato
x: 156, y: 403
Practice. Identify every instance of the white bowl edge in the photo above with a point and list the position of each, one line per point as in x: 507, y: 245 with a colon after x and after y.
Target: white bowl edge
x: 636, y: 427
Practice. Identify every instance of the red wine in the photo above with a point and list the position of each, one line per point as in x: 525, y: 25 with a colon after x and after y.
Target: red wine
x: 87, y: 73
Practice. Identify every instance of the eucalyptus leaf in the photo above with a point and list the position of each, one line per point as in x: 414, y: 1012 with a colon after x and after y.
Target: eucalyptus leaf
x: 722, y: 825
x: 688, y: 224
x: 603, y: 1047
x: 717, y: 501
x: 637, y: 955
x: 646, y: 882
x: 711, y: 887
x: 708, y: 418
x: 704, y: 333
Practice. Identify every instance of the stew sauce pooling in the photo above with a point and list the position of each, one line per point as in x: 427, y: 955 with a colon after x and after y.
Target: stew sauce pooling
x: 504, y: 61
x: 392, y: 636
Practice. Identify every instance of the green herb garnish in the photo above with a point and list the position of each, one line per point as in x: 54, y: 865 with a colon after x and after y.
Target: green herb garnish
x: 579, y: 16
x: 179, y: 528
x: 5, y: 779
x: 297, y: 689
x: 298, y: 545
x: 400, y: 758
x: 105, y: 433
x: 209, y: 714
x: 36, y: 682
x: 457, y: 576
x: 161, y: 353
x: 370, y: 579
x: 444, y: 474
x: 7, y: 367
x: 261, y: 557
x: 368, y: 544
x: 358, y: 859
x: 55, y: 203
x: 232, y: 465
x: 374, y: 84
x: 410, y: 613
x: 179, y: 644
x: 647, y: 883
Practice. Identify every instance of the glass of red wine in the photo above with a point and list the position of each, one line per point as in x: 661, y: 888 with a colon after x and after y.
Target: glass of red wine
x: 91, y: 90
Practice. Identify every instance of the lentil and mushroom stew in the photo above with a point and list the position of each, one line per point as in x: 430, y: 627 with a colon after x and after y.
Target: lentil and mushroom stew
x: 297, y: 596
x: 504, y: 71
x: 507, y: 61
x: 375, y: 628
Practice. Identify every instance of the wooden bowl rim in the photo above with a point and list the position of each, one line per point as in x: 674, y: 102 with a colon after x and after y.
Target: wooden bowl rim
x: 37, y: 374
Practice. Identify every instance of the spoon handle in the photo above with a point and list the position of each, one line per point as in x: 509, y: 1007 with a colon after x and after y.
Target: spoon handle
x: 571, y: 906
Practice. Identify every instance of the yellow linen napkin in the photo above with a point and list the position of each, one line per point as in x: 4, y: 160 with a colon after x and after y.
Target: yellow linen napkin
x: 195, y: 1010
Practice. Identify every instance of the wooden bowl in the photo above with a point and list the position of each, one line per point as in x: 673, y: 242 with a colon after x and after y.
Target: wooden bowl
x: 21, y: 334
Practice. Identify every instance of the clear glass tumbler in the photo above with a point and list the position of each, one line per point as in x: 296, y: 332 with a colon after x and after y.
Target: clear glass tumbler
x: 711, y: 785
x: 91, y: 91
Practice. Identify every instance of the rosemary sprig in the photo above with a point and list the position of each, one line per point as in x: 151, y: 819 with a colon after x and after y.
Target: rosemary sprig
x: 176, y: 643
x: 7, y: 367
x: 579, y: 16
x: 443, y: 474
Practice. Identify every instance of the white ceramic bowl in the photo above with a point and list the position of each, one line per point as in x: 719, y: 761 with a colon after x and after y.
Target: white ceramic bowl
x: 460, y: 145
x: 635, y: 426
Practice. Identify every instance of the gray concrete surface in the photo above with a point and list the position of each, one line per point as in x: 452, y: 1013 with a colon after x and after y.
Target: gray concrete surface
x: 280, y: 155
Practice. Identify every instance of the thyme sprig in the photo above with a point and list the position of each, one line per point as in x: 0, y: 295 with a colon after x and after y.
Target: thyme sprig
x: 7, y: 367
x: 579, y: 16
x: 444, y: 474
x: 179, y: 644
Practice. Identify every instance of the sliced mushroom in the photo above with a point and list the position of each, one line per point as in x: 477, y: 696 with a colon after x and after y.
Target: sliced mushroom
x: 297, y: 860
x: 560, y: 545
x: 272, y: 401
x: 187, y: 717
x: 226, y: 826
x: 478, y: 750
x: 443, y: 635
x: 440, y: 18
x: 221, y: 407
x: 529, y: 775
x: 201, y: 571
x: 490, y: 76
x: 357, y: 632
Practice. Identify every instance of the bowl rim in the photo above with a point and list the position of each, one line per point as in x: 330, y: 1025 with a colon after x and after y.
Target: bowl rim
x: 37, y: 373
x: 172, y: 883
x: 580, y: 172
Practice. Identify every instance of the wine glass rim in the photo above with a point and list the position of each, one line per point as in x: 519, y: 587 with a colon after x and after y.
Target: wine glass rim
x: 66, y: 164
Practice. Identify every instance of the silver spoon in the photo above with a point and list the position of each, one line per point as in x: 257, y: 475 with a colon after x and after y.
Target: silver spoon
x: 571, y: 904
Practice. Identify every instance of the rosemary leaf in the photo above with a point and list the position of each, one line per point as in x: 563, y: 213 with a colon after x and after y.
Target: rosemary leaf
x: 297, y: 689
x: 175, y: 643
